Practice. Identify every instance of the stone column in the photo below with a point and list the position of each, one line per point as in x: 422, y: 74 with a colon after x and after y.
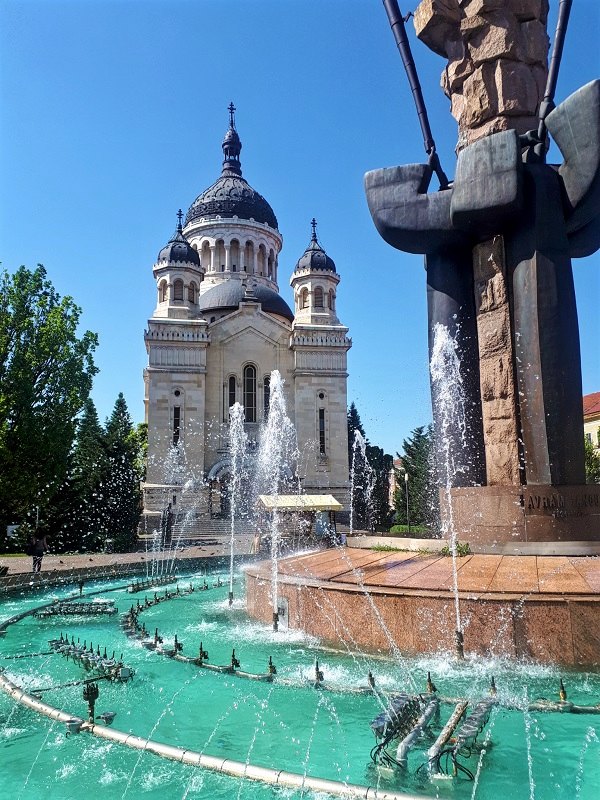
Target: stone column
x: 497, y: 379
x: 497, y: 54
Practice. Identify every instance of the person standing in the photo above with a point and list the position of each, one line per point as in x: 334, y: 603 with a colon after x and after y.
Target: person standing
x: 39, y: 546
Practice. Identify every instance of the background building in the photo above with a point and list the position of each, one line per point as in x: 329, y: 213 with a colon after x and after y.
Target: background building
x: 591, y: 419
x: 219, y: 329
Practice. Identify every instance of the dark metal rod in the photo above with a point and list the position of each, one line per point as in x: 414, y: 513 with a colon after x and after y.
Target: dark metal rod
x: 397, y: 25
x: 547, y: 104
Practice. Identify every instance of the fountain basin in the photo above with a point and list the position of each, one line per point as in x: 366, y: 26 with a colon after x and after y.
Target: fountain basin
x: 183, y: 731
x: 543, y: 608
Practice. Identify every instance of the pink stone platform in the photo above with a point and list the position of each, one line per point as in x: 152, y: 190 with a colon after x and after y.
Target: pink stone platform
x: 544, y: 608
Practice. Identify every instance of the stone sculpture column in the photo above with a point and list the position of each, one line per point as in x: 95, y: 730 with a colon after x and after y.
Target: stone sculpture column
x: 498, y: 248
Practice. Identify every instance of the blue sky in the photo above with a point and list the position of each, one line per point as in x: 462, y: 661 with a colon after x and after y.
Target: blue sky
x: 112, y: 114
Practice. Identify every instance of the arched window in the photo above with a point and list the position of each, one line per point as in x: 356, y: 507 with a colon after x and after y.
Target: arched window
x: 205, y: 256
x: 318, y: 297
x: 249, y: 258
x: 192, y: 292
x: 231, y: 391
x: 178, y: 290
x: 162, y: 291
x: 250, y: 393
x: 261, y: 260
x: 220, y: 255
x: 234, y: 255
x: 266, y: 395
x: 331, y: 299
x: 304, y: 298
x: 176, y: 424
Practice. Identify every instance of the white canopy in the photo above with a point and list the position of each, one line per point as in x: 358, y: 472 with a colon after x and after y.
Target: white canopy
x: 299, y: 502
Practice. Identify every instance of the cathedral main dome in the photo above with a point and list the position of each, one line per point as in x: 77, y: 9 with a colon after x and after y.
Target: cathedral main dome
x: 231, y: 194
x: 228, y: 295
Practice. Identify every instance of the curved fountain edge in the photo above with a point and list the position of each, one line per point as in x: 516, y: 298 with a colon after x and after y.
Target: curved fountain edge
x: 543, y: 627
x: 225, y: 766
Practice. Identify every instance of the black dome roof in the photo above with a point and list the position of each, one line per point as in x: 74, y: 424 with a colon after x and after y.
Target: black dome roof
x: 230, y: 293
x: 315, y: 258
x: 231, y: 195
x: 178, y: 249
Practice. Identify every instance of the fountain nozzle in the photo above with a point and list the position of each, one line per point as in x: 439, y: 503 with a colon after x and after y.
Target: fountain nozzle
x: 371, y: 679
x: 459, y: 645
x: 272, y: 667
x: 318, y: 674
x: 431, y: 687
x: 234, y: 661
x: 562, y: 692
x: 90, y: 694
x: 230, y: 598
x: 493, y: 690
x: 202, y: 654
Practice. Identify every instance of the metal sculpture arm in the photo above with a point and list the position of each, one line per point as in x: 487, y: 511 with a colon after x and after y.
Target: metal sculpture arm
x: 397, y: 25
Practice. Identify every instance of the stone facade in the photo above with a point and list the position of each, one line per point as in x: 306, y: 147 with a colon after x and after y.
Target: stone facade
x: 218, y: 331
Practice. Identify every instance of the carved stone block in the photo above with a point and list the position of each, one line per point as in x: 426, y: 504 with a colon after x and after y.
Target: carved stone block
x: 494, y: 332
x: 480, y: 97
x: 476, y: 7
x: 435, y: 22
x: 501, y: 463
x: 496, y: 381
x: 517, y: 89
x: 498, y: 124
x: 528, y: 9
x: 534, y: 42
x: 493, y: 41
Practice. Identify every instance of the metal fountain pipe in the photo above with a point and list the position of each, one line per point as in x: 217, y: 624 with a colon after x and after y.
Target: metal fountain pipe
x: 547, y: 104
x: 225, y: 766
x: 445, y: 734
x: 408, y: 742
x: 397, y: 25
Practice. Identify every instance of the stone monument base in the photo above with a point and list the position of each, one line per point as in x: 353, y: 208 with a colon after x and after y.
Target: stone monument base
x: 541, y: 608
x: 541, y: 519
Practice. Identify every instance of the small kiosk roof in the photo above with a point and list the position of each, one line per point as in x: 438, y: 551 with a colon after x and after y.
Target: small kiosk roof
x: 299, y: 502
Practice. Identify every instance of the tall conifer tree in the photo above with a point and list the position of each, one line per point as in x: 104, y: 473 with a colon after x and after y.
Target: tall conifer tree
x: 121, y: 487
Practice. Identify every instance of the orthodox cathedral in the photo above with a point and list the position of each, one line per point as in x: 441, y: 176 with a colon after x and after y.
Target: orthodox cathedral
x: 219, y: 329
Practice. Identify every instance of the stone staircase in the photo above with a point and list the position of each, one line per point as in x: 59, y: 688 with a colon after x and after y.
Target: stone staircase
x: 205, y: 527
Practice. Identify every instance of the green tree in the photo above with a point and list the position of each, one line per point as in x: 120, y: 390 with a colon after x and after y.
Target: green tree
x: 381, y: 463
x: 46, y: 373
x: 417, y: 460
x: 121, y: 488
x: 592, y: 463
x: 369, y: 470
x: 83, y: 526
x: 354, y: 424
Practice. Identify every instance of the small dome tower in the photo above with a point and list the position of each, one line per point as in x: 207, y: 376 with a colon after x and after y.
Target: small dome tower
x: 314, y: 282
x: 178, y: 275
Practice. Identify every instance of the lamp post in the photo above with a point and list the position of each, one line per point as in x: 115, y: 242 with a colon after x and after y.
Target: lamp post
x: 406, y: 492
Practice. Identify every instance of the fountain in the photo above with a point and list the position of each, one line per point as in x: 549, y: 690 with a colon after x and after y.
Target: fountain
x: 238, y: 443
x: 299, y: 718
x: 207, y: 695
x: 505, y: 368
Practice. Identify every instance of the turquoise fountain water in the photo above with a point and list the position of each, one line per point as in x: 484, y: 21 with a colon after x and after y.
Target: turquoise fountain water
x: 285, y: 725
